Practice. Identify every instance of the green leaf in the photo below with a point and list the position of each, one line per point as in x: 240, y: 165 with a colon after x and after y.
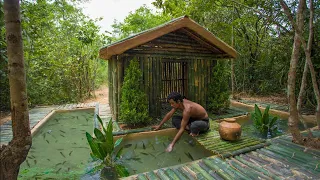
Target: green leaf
x: 101, y: 123
x: 109, y: 136
x: 99, y: 135
x: 94, y: 146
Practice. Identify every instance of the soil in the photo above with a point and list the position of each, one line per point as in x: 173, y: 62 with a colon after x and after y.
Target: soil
x: 279, y: 99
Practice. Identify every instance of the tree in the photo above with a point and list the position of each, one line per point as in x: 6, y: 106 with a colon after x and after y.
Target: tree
x: 134, y: 103
x: 218, y: 96
x: 298, y: 41
x: 15, y: 152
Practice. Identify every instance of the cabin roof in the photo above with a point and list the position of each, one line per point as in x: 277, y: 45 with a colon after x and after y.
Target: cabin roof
x: 192, y: 29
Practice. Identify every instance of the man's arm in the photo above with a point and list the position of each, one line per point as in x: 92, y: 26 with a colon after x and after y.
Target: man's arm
x: 166, y: 118
x: 184, y: 122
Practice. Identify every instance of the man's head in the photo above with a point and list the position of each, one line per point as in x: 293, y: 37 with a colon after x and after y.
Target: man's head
x: 175, y: 99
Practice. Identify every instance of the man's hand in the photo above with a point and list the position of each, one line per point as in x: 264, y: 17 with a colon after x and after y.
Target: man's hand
x: 156, y: 127
x: 169, y: 148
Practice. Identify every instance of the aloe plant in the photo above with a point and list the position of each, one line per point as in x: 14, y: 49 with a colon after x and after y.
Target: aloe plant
x: 104, y: 148
x: 264, y: 122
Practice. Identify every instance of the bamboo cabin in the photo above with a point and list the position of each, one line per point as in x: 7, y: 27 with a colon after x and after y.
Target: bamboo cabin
x: 176, y: 56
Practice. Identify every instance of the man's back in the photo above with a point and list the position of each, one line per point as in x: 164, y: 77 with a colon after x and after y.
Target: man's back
x: 195, y: 110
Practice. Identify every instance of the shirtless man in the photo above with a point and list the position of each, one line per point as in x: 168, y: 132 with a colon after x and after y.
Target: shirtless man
x: 194, y: 117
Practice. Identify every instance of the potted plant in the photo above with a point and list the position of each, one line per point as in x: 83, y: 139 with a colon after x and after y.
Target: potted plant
x: 103, y: 152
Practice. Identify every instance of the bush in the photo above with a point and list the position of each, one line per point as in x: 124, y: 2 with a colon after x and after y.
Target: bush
x: 218, y: 92
x: 264, y: 122
x: 134, y: 103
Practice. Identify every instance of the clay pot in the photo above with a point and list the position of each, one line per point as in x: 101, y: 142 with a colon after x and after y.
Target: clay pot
x: 229, y: 129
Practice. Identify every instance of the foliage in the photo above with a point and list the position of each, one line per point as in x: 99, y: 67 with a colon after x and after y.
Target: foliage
x: 103, y: 147
x: 264, y: 122
x: 4, y: 83
x: 218, y: 92
x: 142, y: 19
x: 134, y: 103
x: 60, y: 49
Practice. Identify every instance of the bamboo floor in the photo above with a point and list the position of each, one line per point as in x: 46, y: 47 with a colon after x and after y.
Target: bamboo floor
x: 248, y: 158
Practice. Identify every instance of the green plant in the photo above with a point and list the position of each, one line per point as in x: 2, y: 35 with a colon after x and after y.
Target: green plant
x: 264, y: 122
x: 104, y: 148
x: 134, y: 102
x: 218, y: 92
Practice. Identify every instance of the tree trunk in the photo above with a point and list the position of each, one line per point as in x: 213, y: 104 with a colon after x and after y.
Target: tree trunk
x: 294, y: 117
x: 15, y: 152
x: 301, y: 94
x: 307, y: 50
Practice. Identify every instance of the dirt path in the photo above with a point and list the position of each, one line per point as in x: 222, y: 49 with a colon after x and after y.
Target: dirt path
x: 101, y: 96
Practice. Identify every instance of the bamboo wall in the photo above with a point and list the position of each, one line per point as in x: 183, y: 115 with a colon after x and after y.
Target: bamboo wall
x: 177, y: 55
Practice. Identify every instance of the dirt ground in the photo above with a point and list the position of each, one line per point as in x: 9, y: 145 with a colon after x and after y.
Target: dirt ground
x: 100, y: 95
x: 280, y: 99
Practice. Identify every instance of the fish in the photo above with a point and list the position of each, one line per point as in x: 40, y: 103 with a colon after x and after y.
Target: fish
x: 27, y: 163
x: 153, y: 156
x: 160, y: 153
x: 44, y: 135
x: 179, y: 160
x: 58, y: 170
x: 70, y: 153
x: 48, y: 159
x: 189, y: 155
x: 30, y: 157
x: 64, y: 162
x: 62, y: 135
x: 57, y: 164
x: 127, y: 145
x: 35, y: 162
x: 47, y: 141
x: 144, y: 147
x: 62, y: 154
x: 62, y: 131
x: 144, y: 153
x: 68, y: 169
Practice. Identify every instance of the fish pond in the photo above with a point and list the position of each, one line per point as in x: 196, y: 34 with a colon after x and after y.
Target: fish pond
x: 59, y: 147
x: 146, y: 151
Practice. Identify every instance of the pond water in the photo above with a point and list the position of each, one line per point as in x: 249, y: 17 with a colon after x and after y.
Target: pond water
x: 146, y: 151
x: 59, y: 148
x: 282, y: 128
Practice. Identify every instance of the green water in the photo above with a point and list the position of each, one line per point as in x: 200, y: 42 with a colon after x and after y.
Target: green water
x: 59, y: 149
x: 146, y: 152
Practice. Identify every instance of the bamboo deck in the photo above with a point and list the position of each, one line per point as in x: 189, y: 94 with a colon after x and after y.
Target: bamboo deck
x: 248, y: 158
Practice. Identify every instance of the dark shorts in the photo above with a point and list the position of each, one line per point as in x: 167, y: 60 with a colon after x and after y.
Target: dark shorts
x: 196, y: 126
